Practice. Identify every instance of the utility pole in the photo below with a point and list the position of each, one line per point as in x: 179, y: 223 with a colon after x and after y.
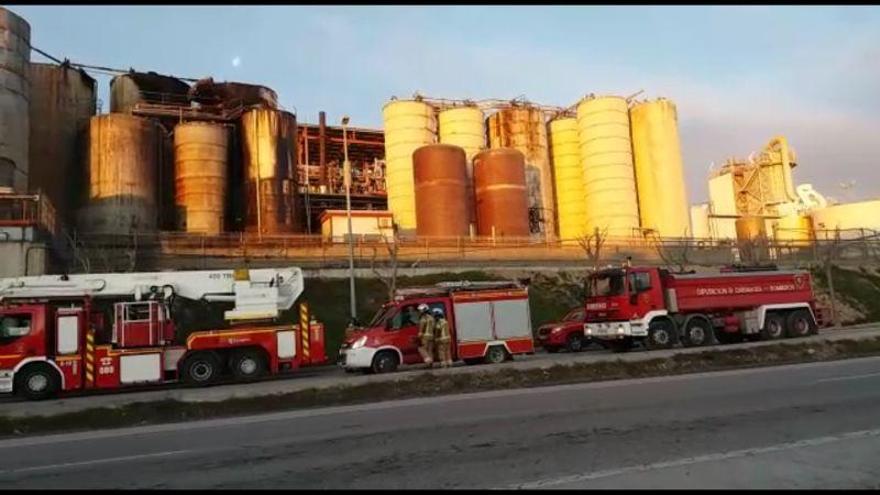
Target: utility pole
x: 346, y: 170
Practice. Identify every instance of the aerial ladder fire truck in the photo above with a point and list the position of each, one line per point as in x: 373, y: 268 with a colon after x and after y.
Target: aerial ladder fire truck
x: 61, y: 333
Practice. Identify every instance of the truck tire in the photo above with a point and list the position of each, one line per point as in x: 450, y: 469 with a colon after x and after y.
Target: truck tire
x: 774, y: 327
x: 385, y: 362
x: 697, y: 332
x: 201, y: 368
x: 496, y: 354
x: 799, y: 323
x: 574, y: 343
x: 661, y: 335
x: 37, y: 382
x: 248, y: 364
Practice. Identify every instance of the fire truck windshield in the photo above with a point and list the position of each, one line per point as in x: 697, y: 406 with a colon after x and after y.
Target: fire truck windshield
x: 606, y: 284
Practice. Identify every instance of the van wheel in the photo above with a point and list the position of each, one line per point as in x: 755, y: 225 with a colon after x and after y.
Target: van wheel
x: 385, y: 362
x: 661, y: 335
x: 248, y: 364
x: 799, y: 323
x: 698, y: 332
x: 201, y: 369
x: 774, y: 327
x: 37, y: 382
x: 496, y: 354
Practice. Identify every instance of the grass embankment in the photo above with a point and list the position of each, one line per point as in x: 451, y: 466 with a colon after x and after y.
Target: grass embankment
x: 858, y: 293
x: 440, y: 384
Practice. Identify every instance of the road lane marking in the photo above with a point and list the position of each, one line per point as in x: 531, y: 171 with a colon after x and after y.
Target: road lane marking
x: 721, y: 456
x: 240, y: 421
x: 95, y: 461
x: 850, y: 377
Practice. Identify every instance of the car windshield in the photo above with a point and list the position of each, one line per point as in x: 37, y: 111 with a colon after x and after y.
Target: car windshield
x: 574, y: 315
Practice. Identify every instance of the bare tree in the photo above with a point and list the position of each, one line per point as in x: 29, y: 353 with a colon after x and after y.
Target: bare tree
x: 76, y: 250
x: 592, y: 245
x: 388, y: 276
x: 829, y: 254
x: 671, y: 257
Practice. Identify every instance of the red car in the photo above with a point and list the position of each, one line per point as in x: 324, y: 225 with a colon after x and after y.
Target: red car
x: 567, y: 333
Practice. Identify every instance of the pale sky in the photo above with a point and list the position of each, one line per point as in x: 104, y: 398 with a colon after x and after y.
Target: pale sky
x: 738, y: 75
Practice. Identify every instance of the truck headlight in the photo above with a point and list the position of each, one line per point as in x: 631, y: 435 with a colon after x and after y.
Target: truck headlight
x: 620, y: 330
x: 556, y: 330
x: 588, y: 331
x: 359, y: 342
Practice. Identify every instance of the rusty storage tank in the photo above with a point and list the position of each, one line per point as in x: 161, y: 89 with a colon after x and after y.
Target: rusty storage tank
x: 522, y: 127
x: 200, y: 161
x: 123, y: 156
x: 606, y: 154
x: 663, y: 206
x: 793, y: 230
x: 229, y: 94
x: 465, y: 127
x: 269, y: 159
x: 15, y: 51
x: 440, y: 176
x: 568, y: 172
x: 63, y: 100
x: 500, y: 193
x: 127, y: 90
x: 409, y: 125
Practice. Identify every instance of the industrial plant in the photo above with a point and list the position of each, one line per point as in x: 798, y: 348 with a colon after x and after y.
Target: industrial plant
x: 190, y: 164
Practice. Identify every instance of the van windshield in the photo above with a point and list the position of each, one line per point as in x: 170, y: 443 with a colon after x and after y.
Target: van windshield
x: 382, y: 315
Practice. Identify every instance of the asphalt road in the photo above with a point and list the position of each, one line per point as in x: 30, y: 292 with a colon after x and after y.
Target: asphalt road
x: 331, y: 376
x: 802, y: 426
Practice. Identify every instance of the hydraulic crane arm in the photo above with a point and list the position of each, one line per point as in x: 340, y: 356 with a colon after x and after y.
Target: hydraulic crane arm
x: 258, y: 293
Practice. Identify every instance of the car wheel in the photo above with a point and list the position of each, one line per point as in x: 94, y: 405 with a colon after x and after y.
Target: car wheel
x: 574, y: 343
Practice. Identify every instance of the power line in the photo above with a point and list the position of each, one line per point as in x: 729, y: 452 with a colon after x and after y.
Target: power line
x: 97, y: 68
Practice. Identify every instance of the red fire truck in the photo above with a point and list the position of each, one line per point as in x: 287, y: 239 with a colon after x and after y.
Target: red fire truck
x: 488, y: 321
x: 661, y: 309
x: 106, y: 331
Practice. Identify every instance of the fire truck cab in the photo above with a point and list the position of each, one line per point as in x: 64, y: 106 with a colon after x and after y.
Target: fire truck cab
x: 659, y: 308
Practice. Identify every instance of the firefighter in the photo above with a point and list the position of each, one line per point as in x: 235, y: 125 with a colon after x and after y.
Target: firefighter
x: 442, y: 339
x: 426, y: 335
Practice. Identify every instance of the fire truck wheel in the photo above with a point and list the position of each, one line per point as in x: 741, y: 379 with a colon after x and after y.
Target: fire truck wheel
x: 698, y: 332
x: 248, y: 364
x: 496, y: 354
x: 774, y: 327
x: 201, y: 369
x: 799, y: 323
x: 37, y: 382
x: 661, y: 335
x: 575, y: 343
x: 385, y: 362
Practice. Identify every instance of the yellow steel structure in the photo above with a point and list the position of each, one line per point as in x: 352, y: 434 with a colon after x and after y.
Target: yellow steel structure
x: 522, y: 127
x: 565, y: 154
x: 409, y: 125
x: 853, y: 219
x: 795, y: 230
x: 200, y: 159
x: 663, y: 206
x: 465, y: 127
x: 606, y: 154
